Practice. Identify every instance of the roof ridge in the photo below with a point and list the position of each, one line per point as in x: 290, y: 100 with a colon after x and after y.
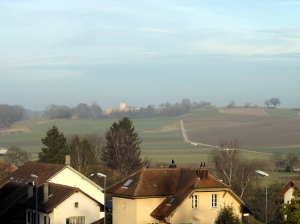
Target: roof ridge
x: 139, y: 182
x: 178, y: 181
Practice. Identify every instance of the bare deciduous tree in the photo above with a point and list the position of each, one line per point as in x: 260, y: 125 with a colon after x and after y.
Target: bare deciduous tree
x: 277, y: 160
x: 231, y: 168
x: 259, y: 205
x: 16, y: 156
x: 82, y: 155
x: 291, y: 161
x: 226, y: 160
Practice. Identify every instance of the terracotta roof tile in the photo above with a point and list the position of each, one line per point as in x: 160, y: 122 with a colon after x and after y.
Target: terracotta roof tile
x: 43, y: 170
x: 5, y: 166
x: 10, y: 194
x: 295, y: 183
x: 57, y: 194
x: 16, y: 183
x: 148, y: 182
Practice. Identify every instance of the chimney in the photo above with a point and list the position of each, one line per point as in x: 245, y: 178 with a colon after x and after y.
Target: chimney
x: 30, y: 189
x: 46, y: 191
x: 202, y: 173
x: 67, y: 160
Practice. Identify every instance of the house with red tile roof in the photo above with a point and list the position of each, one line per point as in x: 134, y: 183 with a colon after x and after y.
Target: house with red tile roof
x: 287, y: 192
x: 64, y: 195
x: 6, y: 169
x: 173, y: 195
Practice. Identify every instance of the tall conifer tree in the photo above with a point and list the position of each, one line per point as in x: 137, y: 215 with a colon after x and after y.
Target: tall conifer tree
x: 122, y: 151
x: 56, y: 147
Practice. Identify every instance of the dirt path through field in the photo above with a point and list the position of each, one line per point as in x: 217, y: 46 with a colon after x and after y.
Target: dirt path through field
x: 185, y: 137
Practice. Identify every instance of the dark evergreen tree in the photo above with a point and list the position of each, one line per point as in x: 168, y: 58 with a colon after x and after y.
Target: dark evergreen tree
x: 125, y: 125
x: 56, y: 147
x: 122, y: 152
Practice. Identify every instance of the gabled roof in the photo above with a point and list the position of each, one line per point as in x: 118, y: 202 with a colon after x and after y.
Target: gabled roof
x: 10, y: 194
x: 43, y: 170
x: 148, y: 183
x: 7, y: 167
x: 174, y: 184
x: 57, y: 194
x: 162, y: 182
x: 295, y: 183
x: 13, y: 188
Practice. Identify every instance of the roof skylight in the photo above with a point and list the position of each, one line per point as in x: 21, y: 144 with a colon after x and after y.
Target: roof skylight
x: 171, y: 201
x: 128, y: 182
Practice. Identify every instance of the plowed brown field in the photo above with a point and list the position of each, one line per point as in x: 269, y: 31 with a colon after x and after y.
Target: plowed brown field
x: 252, y: 131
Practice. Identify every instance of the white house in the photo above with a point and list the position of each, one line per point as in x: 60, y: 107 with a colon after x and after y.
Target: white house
x: 64, y: 195
x: 287, y: 191
x: 3, y: 152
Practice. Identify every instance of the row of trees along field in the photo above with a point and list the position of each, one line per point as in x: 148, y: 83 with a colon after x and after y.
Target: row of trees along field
x: 117, y: 154
x: 10, y: 114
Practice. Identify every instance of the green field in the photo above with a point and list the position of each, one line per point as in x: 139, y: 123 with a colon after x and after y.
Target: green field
x: 163, y: 140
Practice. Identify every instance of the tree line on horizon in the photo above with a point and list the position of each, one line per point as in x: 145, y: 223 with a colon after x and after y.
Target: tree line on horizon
x: 10, y: 114
x: 13, y: 113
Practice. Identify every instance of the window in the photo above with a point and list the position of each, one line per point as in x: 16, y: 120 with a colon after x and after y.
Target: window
x: 77, y: 220
x: 29, y: 214
x: 128, y: 182
x: 76, y: 204
x: 214, y: 200
x: 46, y: 220
x: 195, y: 201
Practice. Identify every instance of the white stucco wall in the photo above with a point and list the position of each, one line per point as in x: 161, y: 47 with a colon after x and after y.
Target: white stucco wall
x: 288, y: 195
x: 70, y: 178
x: 86, y: 207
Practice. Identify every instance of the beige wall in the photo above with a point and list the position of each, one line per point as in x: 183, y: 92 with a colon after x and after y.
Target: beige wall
x: 138, y: 211
x: 205, y: 212
x: 135, y: 211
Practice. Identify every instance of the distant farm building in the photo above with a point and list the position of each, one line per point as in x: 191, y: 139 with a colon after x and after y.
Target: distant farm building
x: 3, y: 152
x: 122, y: 108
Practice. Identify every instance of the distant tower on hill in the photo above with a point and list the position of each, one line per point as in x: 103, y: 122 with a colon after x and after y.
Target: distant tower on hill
x: 122, y: 105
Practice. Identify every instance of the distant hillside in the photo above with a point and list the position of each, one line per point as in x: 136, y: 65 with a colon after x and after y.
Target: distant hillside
x: 162, y: 137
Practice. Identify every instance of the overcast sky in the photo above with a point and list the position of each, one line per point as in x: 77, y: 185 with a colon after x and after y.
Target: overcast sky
x: 149, y: 52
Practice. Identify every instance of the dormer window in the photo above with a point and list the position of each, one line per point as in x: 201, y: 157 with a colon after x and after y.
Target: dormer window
x: 127, y: 183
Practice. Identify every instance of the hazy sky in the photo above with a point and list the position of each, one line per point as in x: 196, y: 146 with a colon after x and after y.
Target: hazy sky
x: 149, y: 52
